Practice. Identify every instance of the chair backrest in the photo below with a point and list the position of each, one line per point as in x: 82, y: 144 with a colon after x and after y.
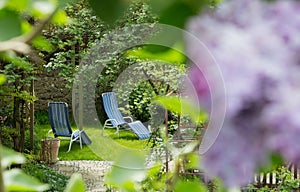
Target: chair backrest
x: 59, y: 119
x: 111, y: 108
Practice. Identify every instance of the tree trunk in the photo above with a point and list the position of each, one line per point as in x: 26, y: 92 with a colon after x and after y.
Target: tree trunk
x: 16, y: 123
x: 19, y: 124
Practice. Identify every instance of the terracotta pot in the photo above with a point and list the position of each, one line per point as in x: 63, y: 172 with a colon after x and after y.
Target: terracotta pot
x: 50, y: 148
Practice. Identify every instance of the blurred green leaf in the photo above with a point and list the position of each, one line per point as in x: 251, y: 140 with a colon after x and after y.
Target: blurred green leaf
x: 2, y: 79
x: 60, y: 18
x: 190, y: 186
x: 17, y: 4
x: 111, y: 10
x: 128, y: 168
x: 17, y: 180
x: 9, y: 20
x: 176, y: 12
x: 181, y: 106
x: 10, y: 157
x: 169, y: 55
x: 26, y: 27
x: 75, y: 184
x: 194, y: 160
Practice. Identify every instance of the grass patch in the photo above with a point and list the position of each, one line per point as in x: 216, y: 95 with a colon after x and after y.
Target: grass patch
x: 127, y: 139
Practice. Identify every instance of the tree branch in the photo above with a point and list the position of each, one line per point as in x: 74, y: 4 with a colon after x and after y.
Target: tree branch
x: 21, y: 44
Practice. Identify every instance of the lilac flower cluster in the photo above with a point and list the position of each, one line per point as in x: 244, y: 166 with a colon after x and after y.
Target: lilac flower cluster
x: 256, y: 45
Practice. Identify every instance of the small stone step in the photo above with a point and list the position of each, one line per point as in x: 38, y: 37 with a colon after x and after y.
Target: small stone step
x: 93, y: 172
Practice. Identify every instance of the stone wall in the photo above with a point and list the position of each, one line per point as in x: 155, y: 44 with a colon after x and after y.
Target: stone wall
x: 50, y: 87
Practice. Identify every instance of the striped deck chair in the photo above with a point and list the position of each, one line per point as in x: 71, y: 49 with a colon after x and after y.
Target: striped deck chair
x: 60, y: 123
x: 116, y: 119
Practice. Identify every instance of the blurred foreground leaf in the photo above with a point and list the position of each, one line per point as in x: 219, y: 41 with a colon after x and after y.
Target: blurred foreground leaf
x: 176, y: 12
x: 181, y: 106
x: 75, y: 184
x: 17, y: 180
x: 9, y: 20
x: 128, y: 169
x: 111, y: 10
x: 10, y: 157
x: 191, y: 186
x: 2, y: 79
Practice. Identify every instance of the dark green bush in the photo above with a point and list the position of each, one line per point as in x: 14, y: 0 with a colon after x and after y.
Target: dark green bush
x: 36, y: 143
x: 41, y: 117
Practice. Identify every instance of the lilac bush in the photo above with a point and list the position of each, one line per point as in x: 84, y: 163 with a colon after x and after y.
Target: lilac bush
x: 256, y: 45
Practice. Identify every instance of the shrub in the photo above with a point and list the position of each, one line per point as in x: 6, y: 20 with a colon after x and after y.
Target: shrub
x: 41, y: 118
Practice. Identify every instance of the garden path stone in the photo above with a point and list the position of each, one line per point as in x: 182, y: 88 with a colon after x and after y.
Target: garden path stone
x: 93, y: 172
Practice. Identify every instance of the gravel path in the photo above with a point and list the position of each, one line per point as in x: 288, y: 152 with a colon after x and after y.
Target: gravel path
x: 93, y: 172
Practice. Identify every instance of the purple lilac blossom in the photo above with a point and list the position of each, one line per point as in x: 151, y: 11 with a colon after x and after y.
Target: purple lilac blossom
x: 256, y: 44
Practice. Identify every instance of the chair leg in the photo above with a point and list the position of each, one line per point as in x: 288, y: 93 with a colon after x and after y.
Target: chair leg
x: 80, y: 141
x: 118, y: 132
x: 70, y: 145
x: 105, y: 124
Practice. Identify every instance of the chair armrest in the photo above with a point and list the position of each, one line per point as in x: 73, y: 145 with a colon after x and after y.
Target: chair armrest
x: 76, y: 133
x: 128, y: 117
x: 110, y: 120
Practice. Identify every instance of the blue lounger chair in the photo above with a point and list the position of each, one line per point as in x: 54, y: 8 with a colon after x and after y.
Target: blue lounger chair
x: 116, y: 119
x: 60, y: 124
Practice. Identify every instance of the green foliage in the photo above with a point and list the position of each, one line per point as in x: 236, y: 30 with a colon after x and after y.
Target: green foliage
x: 155, y: 180
x: 56, y: 181
x: 71, y: 42
x: 9, y: 157
x: 16, y: 179
x: 7, y: 135
x: 285, y: 182
x: 36, y: 144
x: 139, y: 101
x: 75, y: 184
x: 127, y: 171
x: 151, y: 52
x: 41, y: 118
x: 2, y: 79
x: 138, y: 12
x: 25, y: 179
x: 182, y: 106
x: 111, y: 10
x: 148, y: 79
x: 170, y: 12
x: 9, y: 19
x: 176, y: 12
x: 192, y: 186
x: 14, y: 94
